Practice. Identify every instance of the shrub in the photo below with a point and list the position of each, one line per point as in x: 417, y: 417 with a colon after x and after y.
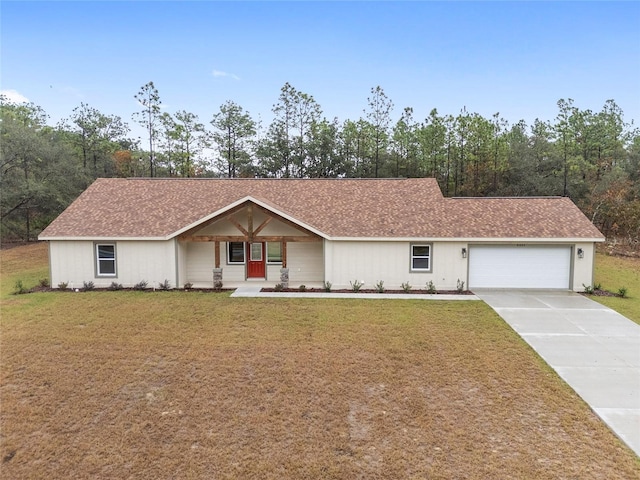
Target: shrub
x: 63, y: 285
x: 460, y: 286
x: 356, y: 285
x: 188, y: 286
x: 217, y: 285
x: 115, y: 286
x: 622, y: 292
x: 380, y: 287
x: 327, y: 286
x: 18, y: 288
x: 279, y: 287
x: 44, y: 282
x: 141, y: 285
x: 88, y: 286
x: 588, y: 289
x: 166, y: 285
x: 597, y: 286
x: 431, y: 287
x: 406, y: 287
x: 302, y: 288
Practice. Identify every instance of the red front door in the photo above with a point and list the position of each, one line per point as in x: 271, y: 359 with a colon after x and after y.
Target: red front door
x: 256, y: 262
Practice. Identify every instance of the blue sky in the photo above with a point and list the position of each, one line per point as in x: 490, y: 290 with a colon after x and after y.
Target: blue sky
x: 516, y: 58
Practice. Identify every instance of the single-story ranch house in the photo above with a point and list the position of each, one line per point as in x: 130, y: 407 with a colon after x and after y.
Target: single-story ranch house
x: 308, y: 231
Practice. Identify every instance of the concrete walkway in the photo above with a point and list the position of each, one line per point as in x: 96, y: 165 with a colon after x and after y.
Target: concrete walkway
x: 594, y: 349
x: 254, y: 291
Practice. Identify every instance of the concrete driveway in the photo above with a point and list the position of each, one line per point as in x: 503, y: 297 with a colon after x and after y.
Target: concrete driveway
x: 594, y: 349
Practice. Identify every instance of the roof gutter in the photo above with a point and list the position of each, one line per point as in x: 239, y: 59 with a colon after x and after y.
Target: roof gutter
x: 471, y: 239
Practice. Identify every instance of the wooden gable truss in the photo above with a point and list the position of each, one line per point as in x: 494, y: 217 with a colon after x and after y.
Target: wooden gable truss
x: 249, y: 234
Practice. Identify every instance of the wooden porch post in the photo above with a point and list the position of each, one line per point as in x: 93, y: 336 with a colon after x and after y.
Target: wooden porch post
x: 217, y: 249
x: 250, y: 222
x: 284, y: 254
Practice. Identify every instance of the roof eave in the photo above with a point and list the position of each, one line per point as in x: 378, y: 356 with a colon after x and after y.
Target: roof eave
x: 100, y: 239
x: 472, y: 239
x: 358, y: 239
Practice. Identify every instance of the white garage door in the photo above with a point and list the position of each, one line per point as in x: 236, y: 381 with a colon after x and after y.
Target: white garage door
x: 529, y: 266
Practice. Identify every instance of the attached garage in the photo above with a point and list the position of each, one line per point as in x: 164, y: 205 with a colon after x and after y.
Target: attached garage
x: 519, y: 266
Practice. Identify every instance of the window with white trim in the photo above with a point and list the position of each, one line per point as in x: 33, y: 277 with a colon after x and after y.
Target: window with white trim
x: 421, y: 258
x: 105, y: 260
x: 235, y: 252
x: 274, y: 252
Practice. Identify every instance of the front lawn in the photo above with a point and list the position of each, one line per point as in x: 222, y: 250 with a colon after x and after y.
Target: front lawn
x: 200, y: 385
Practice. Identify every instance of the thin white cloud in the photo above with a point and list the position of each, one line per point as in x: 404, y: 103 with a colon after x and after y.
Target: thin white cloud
x: 220, y: 73
x: 14, y: 96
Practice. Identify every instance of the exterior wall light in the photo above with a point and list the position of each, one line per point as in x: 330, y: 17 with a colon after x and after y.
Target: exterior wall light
x: 464, y: 253
x: 580, y: 253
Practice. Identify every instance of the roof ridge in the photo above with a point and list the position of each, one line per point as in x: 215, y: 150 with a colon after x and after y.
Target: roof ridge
x: 265, y: 178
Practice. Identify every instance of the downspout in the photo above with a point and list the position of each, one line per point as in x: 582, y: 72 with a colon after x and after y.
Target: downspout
x: 50, y: 269
x: 465, y: 259
x: 593, y: 263
x: 572, y: 267
x: 324, y: 261
x: 176, y: 248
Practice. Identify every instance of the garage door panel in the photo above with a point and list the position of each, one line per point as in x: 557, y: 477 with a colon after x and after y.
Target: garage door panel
x: 519, y: 267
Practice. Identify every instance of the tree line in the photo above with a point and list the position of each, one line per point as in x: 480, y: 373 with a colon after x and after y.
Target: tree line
x: 592, y: 157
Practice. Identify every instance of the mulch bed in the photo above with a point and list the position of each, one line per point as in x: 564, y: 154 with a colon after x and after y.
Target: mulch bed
x: 40, y: 289
x: 600, y: 293
x: 365, y: 291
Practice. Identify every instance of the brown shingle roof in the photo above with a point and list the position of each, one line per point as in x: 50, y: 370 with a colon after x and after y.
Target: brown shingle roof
x: 380, y: 208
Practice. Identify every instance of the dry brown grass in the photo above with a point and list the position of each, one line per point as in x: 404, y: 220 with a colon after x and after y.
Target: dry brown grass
x: 28, y: 263
x: 196, y: 385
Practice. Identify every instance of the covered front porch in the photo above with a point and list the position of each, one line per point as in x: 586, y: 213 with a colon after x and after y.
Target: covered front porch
x: 247, y: 244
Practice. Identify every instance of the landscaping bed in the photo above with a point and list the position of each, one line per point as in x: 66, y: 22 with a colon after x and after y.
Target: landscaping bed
x: 601, y: 293
x: 366, y: 291
x: 41, y: 289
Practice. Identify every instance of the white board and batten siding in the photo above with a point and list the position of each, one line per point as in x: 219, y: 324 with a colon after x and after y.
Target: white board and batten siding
x: 390, y: 262
x: 153, y: 261
x: 201, y: 260
x: 304, y: 259
x: 74, y: 262
x: 520, y: 266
